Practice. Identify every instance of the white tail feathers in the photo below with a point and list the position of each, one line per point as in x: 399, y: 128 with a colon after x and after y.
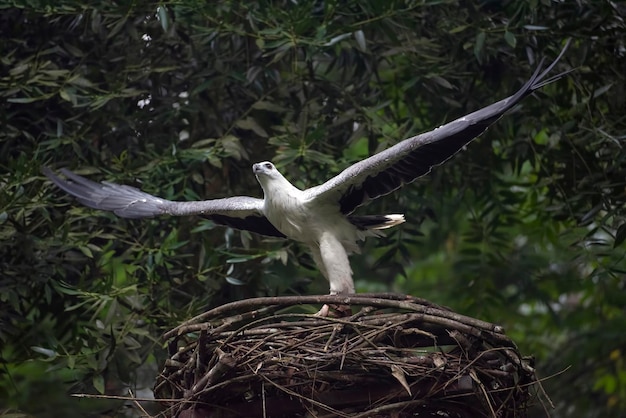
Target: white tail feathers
x: 375, y: 222
x: 390, y: 220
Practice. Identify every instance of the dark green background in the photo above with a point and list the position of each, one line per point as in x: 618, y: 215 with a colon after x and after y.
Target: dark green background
x: 525, y: 228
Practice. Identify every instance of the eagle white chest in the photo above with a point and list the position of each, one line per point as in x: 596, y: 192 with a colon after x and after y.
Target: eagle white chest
x: 299, y: 218
x: 287, y: 211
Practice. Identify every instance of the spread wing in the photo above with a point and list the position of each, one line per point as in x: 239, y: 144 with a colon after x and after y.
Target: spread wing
x: 241, y: 212
x: 414, y: 157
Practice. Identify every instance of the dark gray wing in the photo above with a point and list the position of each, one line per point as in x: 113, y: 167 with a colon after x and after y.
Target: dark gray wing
x: 414, y: 157
x: 241, y: 212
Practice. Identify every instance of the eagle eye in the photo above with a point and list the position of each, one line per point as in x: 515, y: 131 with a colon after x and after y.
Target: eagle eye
x: 268, y: 166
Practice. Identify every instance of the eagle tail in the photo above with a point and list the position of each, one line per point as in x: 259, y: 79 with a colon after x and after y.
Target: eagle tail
x: 369, y: 222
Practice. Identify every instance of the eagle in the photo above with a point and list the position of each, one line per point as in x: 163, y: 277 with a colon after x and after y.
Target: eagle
x: 320, y: 217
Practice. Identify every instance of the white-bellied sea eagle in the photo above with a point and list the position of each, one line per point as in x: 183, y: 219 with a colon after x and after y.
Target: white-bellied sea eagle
x: 320, y: 216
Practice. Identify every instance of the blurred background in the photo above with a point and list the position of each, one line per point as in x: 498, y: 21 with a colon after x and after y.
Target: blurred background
x: 524, y: 228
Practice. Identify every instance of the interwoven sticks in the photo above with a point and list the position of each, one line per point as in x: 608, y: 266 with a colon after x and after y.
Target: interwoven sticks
x: 397, y: 356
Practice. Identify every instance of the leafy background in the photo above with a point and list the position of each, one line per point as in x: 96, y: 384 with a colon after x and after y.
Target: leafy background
x: 525, y: 228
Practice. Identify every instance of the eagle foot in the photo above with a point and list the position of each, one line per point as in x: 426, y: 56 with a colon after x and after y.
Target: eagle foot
x: 334, y: 311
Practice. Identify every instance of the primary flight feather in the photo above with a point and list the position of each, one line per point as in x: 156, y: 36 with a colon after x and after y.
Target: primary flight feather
x: 321, y: 216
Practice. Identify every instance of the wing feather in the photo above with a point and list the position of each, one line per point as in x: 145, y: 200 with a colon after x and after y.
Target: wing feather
x: 415, y: 157
x: 241, y: 212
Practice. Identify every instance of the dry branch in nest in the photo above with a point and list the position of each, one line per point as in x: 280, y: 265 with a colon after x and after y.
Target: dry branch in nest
x: 397, y: 356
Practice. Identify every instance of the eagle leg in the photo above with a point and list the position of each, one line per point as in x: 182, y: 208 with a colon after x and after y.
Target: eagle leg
x: 334, y: 264
x: 332, y: 260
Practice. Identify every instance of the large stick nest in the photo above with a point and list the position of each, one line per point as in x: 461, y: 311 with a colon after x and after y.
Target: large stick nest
x: 397, y: 356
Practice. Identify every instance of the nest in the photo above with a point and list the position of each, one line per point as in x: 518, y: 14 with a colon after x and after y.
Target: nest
x: 397, y: 356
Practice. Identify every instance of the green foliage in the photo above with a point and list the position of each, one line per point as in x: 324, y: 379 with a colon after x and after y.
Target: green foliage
x: 525, y: 228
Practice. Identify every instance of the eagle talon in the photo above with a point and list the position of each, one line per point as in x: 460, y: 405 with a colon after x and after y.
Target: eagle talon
x: 323, y: 313
x: 334, y: 311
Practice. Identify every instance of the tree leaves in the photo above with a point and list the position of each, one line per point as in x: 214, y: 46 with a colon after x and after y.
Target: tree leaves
x: 529, y: 226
